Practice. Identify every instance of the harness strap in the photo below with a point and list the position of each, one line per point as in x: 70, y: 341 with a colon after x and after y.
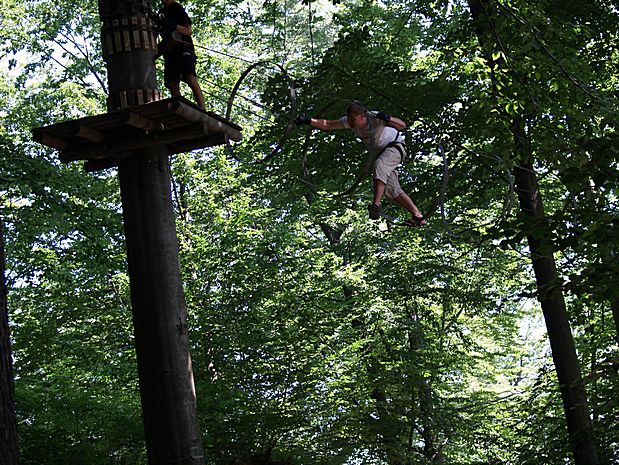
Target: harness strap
x: 400, y: 147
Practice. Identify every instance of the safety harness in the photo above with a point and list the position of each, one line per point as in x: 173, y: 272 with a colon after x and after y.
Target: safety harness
x: 400, y: 146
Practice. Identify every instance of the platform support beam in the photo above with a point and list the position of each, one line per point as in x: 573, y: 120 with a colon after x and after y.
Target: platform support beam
x: 159, y: 314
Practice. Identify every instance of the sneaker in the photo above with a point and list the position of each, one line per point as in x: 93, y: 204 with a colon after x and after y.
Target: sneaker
x: 415, y: 222
x: 374, y: 211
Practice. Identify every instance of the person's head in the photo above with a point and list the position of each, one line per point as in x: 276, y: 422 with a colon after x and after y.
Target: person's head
x: 167, y: 2
x: 357, y: 115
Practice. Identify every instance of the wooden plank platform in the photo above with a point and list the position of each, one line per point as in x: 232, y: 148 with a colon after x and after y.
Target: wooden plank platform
x: 103, y: 140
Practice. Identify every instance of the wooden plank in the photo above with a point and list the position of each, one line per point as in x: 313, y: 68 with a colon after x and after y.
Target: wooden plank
x: 195, y: 115
x: 76, y: 138
x: 174, y: 148
x: 224, y: 120
x: 85, y: 132
x: 194, y: 131
x: 214, y: 140
x: 41, y: 136
x: 142, y: 122
x: 189, y: 145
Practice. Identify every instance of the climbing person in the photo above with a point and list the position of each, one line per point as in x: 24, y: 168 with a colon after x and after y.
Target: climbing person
x: 380, y: 133
x: 178, y: 52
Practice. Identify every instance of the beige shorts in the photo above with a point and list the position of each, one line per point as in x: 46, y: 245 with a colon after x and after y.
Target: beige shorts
x: 385, y: 170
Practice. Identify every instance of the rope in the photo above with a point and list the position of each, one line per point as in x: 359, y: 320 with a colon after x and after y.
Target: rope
x: 246, y: 109
x: 235, y: 91
x: 311, y: 31
x: 291, y: 115
x: 509, y: 196
x: 229, y: 55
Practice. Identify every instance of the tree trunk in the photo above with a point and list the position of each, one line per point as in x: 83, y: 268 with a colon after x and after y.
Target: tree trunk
x: 159, y: 314
x: 550, y: 296
x: 549, y: 287
x: 8, y: 421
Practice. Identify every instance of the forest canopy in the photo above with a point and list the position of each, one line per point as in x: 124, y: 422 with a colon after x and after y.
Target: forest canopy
x: 488, y: 336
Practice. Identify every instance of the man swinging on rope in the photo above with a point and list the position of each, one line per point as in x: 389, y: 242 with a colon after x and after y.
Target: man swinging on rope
x: 178, y: 51
x: 380, y: 133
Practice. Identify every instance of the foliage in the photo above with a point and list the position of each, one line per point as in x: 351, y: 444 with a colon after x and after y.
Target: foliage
x: 318, y: 337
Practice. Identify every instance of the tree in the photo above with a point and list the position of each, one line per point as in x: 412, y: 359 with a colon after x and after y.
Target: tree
x: 158, y: 305
x: 8, y: 422
x: 536, y: 228
x: 318, y: 337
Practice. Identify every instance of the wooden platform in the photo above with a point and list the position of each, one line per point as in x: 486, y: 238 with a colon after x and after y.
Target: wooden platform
x: 103, y: 140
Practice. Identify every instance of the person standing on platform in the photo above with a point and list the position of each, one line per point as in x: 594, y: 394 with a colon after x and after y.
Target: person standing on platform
x: 178, y: 51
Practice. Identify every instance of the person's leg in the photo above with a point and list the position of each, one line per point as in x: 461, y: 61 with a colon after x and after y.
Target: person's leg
x: 379, y: 190
x: 374, y: 208
x: 192, y: 82
x: 384, y: 167
x: 175, y: 88
x: 187, y: 62
x: 407, y: 203
x: 393, y: 191
x: 171, y: 76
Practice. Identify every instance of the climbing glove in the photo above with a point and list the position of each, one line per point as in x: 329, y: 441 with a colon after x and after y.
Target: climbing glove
x: 384, y: 116
x: 303, y: 120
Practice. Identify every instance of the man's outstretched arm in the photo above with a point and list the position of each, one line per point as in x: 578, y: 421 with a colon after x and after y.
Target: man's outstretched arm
x: 318, y: 123
x: 391, y: 121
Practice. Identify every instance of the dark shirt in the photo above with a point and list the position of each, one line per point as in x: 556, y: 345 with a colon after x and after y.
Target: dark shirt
x: 176, y: 13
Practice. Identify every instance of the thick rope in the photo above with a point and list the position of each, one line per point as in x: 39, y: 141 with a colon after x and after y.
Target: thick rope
x: 291, y: 114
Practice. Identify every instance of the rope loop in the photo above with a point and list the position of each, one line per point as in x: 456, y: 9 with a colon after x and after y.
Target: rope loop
x: 290, y: 112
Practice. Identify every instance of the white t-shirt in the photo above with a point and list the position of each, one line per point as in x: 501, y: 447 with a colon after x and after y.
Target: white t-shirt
x: 377, y: 135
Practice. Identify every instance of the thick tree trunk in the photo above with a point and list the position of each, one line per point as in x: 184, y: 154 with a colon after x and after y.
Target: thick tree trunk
x: 550, y: 296
x: 8, y: 421
x: 159, y: 314
x: 549, y: 287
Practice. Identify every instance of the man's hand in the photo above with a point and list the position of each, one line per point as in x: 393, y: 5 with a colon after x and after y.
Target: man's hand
x: 384, y: 116
x: 303, y: 120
